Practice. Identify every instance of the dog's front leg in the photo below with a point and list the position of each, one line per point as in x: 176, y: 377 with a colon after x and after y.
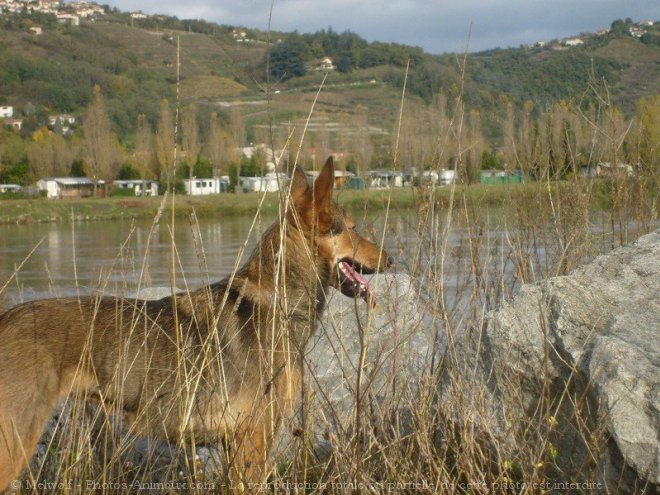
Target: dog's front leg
x: 252, y: 440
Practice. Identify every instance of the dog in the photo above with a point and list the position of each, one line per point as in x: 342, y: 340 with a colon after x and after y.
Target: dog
x: 221, y: 364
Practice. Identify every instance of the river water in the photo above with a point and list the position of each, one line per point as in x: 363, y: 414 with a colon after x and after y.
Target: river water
x: 51, y: 259
x: 117, y: 257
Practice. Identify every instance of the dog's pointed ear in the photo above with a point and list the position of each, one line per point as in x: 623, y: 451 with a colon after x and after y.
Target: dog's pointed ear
x: 299, y: 184
x: 319, y: 198
x: 323, y: 185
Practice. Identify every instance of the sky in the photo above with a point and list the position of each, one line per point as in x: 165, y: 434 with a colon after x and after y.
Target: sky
x: 438, y: 26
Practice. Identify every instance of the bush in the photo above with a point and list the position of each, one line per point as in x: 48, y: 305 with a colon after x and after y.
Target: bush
x: 122, y: 192
x: 128, y: 172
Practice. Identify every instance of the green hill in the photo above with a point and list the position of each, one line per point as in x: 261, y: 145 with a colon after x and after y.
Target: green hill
x: 136, y: 67
x: 225, y: 70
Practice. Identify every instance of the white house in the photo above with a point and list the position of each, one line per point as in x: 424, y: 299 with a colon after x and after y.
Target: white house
x: 266, y: 153
x: 63, y: 118
x: 6, y: 112
x: 342, y: 177
x: 65, y: 121
x: 67, y: 187
x: 201, y: 187
x: 637, y: 32
x: 151, y: 186
x: 71, y: 19
x: 384, y: 178
x: 17, y: 124
x: 447, y: 176
x: 326, y: 64
x: 573, y: 42
x: 269, y: 183
x: 10, y: 188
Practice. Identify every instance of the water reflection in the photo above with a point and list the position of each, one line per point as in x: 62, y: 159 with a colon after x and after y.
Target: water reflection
x: 113, y: 256
x: 481, y: 264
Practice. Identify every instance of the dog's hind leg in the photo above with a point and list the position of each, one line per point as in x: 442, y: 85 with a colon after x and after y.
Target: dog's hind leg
x: 22, y: 420
x: 27, y: 400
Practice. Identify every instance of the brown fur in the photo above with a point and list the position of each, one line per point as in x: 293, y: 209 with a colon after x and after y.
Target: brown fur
x: 219, y: 363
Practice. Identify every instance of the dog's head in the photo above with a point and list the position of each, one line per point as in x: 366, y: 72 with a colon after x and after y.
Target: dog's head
x: 346, y: 253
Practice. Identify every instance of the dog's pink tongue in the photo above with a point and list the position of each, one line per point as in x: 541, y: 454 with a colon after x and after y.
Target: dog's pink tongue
x: 365, y: 291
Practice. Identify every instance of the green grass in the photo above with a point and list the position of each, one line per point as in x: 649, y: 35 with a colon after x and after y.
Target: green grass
x: 97, y: 209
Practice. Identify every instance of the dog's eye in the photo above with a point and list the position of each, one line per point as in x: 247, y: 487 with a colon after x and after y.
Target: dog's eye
x: 354, y: 228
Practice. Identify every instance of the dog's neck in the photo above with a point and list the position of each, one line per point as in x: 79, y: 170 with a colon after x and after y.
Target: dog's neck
x: 286, y: 272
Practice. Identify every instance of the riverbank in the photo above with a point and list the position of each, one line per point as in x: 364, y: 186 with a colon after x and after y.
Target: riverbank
x: 14, y: 211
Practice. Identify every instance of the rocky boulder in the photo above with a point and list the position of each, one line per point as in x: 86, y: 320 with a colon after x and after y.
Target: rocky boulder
x: 359, y: 350
x: 588, y: 345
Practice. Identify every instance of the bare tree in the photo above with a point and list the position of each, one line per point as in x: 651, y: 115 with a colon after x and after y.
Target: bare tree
x: 165, y: 144
x: 476, y: 144
x: 648, y: 133
x: 541, y: 156
x: 239, y: 134
x: 49, y: 154
x: 322, y: 141
x: 364, y: 148
x: 614, y: 128
x: 526, y: 142
x: 509, y: 145
x: 576, y: 140
x: 557, y: 138
x: 144, y: 150
x: 100, y: 146
x: 220, y: 147
x: 191, y: 145
x: 237, y: 126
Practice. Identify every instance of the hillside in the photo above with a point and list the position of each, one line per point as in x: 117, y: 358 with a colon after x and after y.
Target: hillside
x: 232, y: 94
x: 135, y: 67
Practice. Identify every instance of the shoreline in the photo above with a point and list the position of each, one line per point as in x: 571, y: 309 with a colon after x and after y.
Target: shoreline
x: 41, y: 210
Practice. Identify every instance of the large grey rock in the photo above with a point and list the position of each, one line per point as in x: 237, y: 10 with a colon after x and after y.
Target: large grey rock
x: 383, y: 348
x: 591, y: 335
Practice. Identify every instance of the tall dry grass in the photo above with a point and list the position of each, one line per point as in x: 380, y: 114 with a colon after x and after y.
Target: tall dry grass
x: 463, y: 258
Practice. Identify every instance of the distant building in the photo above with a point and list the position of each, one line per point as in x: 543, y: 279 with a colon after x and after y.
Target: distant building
x: 494, y: 176
x: 67, y: 187
x: 326, y: 64
x: 637, y: 32
x: 202, y: 187
x: 266, y: 152
x: 446, y: 176
x: 271, y: 182
x: 6, y: 112
x: 342, y: 178
x: 379, y: 179
x: 10, y: 188
x: 151, y: 186
x: 36, y: 30
x: 239, y: 34
x: 16, y: 124
x: 573, y: 42
x: 63, y: 122
x: 138, y: 15
x: 70, y: 19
